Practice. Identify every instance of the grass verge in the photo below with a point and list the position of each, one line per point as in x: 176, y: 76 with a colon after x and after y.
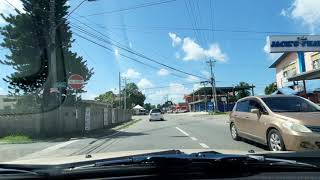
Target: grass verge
x: 125, y: 125
x: 15, y: 139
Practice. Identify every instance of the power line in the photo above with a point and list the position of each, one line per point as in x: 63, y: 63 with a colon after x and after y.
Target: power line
x: 166, y: 28
x: 75, y: 8
x: 15, y: 8
x: 120, y: 46
x: 132, y: 8
x: 165, y: 86
x: 123, y: 55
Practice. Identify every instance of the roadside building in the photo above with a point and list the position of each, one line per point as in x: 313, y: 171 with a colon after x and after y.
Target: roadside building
x: 182, y: 107
x: 300, y: 72
x: 201, y: 99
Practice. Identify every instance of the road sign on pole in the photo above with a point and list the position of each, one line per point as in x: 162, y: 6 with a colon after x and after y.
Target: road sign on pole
x: 76, y: 81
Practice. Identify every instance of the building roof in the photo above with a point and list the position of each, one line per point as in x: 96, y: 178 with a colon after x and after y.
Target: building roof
x: 275, y: 63
x: 310, y: 75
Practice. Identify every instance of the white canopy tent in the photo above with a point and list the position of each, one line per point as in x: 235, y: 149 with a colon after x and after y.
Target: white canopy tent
x: 138, y: 109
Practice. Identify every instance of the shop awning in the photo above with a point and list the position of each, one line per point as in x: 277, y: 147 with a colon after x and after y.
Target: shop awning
x: 310, y: 75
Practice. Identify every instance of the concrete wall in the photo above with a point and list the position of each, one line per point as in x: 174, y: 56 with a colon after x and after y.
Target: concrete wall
x: 91, y: 116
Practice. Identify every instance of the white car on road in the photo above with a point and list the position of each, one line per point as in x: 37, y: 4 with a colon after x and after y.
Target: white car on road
x: 155, y: 115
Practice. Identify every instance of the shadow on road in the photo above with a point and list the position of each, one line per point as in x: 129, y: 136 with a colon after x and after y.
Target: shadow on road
x: 264, y: 147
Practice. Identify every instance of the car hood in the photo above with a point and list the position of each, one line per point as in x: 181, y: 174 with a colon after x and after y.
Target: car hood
x: 100, y: 156
x: 306, y: 118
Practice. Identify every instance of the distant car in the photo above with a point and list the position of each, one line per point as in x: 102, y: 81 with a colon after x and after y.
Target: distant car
x: 281, y: 122
x: 155, y: 115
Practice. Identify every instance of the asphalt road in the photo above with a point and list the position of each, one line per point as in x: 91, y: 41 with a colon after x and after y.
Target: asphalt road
x: 178, y: 131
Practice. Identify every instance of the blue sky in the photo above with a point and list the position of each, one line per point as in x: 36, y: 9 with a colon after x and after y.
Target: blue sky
x: 163, y: 33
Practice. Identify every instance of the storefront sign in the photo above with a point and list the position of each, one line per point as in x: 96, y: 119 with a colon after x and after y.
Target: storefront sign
x: 308, y: 43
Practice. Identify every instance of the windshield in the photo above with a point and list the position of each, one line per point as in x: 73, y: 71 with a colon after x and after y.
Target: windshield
x: 83, y: 77
x: 290, y: 104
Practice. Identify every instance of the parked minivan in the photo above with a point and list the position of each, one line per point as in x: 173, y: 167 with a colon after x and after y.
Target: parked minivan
x: 279, y: 121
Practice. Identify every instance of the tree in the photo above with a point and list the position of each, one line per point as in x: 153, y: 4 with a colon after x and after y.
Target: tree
x: 244, y: 92
x: 134, y: 95
x: 158, y: 106
x: 27, y: 37
x: 147, y: 106
x: 108, y: 97
x: 271, y: 88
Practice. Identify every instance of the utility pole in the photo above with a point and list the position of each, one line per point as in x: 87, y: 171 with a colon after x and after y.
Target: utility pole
x: 194, y: 108
x: 125, y: 93
x: 52, y: 45
x: 119, y: 90
x: 213, y: 86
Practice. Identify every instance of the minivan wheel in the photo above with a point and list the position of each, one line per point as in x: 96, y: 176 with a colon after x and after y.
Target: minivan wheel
x: 234, y: 132
x: 275, y: 141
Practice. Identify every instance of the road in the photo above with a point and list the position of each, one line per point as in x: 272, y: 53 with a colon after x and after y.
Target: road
x: 178, y: 131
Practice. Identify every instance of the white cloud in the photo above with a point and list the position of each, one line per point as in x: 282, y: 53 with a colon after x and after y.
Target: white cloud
x: 116, y: 53
x: 6, y: 8
x: 192, y: 78
x: 88, y: 96
x: 266, y: 49
x: 175, y: 39
x: 306, y: 11
x: 175, y: 92
x: 194, y: 51
x: 144, y: 83
x: 206, y: 73
x: 163, y: 72
x: 197, y: 86
x: 177, y: 55
x: 131, y: 73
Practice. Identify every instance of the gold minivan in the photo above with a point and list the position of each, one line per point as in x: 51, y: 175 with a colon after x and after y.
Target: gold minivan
x: 279, y: 121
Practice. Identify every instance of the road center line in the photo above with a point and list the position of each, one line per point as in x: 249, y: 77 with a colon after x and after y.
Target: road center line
x: 193, y: 138
x: 204, y: 145
x: 182, y: 131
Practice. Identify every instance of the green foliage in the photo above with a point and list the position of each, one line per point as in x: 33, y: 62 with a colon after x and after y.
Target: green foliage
x: 147, y: 106
x: 134, y: 95
x: 16, y: 139
x: 244, y: 92
x: 27, y: 37
x: 108, y: 97
x: 271, y: 88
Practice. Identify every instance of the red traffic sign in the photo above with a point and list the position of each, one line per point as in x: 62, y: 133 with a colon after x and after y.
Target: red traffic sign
x: 76, y: 81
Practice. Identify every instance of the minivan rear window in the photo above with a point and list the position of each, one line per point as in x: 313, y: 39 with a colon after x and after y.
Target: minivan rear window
x: 155, y: 111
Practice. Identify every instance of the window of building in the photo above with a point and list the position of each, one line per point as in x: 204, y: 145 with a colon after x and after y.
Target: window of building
x: 289, y: 71
x: 315, y: 58
x: 316, y: 64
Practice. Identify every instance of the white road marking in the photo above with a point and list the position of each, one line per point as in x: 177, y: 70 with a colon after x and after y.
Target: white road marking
x: 182, y: 131
x: 193, y: 138
x: 204, y: 145
x: 56, y: 147
x: 48, y: 150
